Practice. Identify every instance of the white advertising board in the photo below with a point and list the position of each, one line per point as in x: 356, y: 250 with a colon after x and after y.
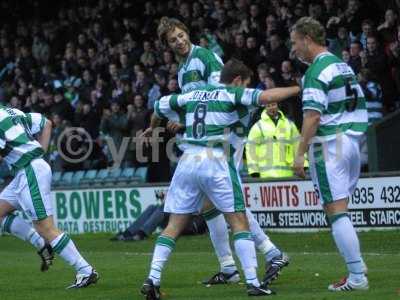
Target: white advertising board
x: 278, y: 205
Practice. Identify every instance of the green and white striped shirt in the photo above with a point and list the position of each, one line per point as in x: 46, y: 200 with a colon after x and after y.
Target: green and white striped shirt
x: 330, y: 87
x: 201, y: 67
x: 17, y: 144
x: 213, y: 115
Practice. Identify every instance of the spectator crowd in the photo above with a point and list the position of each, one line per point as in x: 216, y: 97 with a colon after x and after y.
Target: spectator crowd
x: 98, y: 65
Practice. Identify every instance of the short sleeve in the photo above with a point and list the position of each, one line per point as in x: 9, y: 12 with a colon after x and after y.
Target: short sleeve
x: 36, y: 122
x: 315, y: 94
x: 167, y: 107
x: 213, y: 66
x: 247, y: 97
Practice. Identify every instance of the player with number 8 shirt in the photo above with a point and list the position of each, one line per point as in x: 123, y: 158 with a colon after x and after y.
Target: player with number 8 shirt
x: 208, y: 169
x: 199, y: 67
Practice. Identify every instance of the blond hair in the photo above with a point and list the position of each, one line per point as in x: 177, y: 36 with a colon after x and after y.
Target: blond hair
x: 166, y: 26
x: 307, y: 26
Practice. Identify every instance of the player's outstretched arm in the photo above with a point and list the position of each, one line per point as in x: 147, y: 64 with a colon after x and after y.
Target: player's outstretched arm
x: 278, y: 94
x: 155, y: 121
x: 44, y: 138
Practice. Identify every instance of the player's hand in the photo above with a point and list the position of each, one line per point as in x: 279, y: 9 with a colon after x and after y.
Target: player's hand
x: 174, y: 127
x: 298, y: 166
x: 146, y: 136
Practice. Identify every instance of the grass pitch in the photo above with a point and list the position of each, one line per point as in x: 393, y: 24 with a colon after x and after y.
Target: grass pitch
x: 123, y: 266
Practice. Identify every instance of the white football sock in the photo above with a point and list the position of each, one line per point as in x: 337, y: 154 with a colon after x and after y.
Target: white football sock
x: 261, y: 240
x: 245, y: 250
x: 219, y: 236
x: 65, y: 247
x: 347, y: 242
x: 18, y: 227
x: 164, y: 246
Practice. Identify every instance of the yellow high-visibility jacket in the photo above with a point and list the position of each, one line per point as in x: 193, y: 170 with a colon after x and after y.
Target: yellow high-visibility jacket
x: 271, y: 149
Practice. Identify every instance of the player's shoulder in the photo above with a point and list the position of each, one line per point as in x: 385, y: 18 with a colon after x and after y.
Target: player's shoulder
x: 202, y: 51
x: 204, y: 54
x: 323, y: 64
x: 165, y: 98
x: 18, y: 112
x: 232, y: 90
x: 10, y: 112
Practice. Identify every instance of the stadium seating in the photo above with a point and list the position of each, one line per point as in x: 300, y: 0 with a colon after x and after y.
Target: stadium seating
x: 92, y: 177
x: 141, y: 173
x: 88, y: 178
x: 66, y: 178
x: 118, y: 176
x: 128, y: 173
x: 101, y: 176
x: 77, y: 177
x: 56, y: 178
x: 127, y: 176
x: 113, y: 175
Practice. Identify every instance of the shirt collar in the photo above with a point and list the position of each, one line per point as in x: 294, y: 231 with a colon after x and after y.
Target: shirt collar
x: 320, y: 55
x: 189, y: 56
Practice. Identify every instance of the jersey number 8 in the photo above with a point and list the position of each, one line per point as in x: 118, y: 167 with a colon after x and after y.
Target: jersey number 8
x: 199, y: 124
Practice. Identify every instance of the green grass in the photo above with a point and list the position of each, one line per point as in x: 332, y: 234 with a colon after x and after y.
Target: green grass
x: 124, y: 266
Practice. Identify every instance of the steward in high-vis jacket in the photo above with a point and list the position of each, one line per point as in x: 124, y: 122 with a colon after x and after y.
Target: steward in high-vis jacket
x: 272, y: 145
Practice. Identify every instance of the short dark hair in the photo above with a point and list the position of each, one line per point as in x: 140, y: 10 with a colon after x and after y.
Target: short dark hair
x: 234, y: 68
x: 357, y: 42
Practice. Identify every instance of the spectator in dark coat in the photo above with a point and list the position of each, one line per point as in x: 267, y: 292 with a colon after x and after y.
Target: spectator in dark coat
x: 376, y: 61
x: 355, y: 59
x: 61, y: 106
x: 114, y: 125
x: 88, y: 119
x: 138, y: 119
x: 277, y: 52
